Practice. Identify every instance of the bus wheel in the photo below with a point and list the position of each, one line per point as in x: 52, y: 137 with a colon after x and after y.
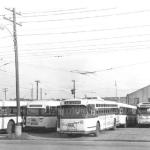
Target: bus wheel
x: 10, y: 127
x: 97, y: 132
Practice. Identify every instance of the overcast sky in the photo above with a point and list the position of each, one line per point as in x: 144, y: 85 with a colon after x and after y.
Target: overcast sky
x: 61, y: 40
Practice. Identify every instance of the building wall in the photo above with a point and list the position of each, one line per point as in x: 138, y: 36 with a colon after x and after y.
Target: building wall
x: 141, y: 95
x: 117, y: 99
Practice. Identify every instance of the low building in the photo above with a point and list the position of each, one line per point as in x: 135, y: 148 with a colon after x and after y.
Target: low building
x: 141, y: 95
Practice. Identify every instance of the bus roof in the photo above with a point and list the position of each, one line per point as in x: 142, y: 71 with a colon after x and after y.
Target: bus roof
x: 126, y: 105
x: 144, y: 104
x: 43, y: 103
x: 12, y: 103
x: 86, y: 101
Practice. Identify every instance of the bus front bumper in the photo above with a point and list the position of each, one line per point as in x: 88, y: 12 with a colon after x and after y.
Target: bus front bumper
x: 76, y: 132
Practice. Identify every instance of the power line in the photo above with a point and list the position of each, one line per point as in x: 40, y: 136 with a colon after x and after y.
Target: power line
x: 4, y: 37
x: 87, y: 45
x: 59, y: 10
x: 90, y: 17
x: 93, y: 39
x: 79, y: 51
x: 78, y: 46
x: 63, y: 13
x: 6, y: 46
x: 44, y: 50
x: 86, y: 31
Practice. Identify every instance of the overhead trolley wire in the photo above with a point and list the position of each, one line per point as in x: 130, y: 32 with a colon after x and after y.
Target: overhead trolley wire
x: 62, y: 13
x: 59, y: 10
x: 79, y: 46
x: 78, y: 51
x: 93, y: 39
x: 87, y: 45
x: 85, y: 31
x: 89, y: 17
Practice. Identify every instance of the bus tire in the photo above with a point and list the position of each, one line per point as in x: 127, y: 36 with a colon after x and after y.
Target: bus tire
x: 10, y: 127
x: 97, y: 132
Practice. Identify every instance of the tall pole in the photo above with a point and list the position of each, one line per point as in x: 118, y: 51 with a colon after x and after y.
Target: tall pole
x: 32, y: 92
x: 74, y: 89
x: 41, y: 93
x: 18, y: 126
x: 5, y: 92
x: 116, y: 89
x: 16, y: 59
x: 37, y: 89
x: 16, y: 64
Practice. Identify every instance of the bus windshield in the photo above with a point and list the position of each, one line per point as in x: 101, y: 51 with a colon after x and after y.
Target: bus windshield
x: 73, y: 111
x: 143, y: 110
x: 35, y: 111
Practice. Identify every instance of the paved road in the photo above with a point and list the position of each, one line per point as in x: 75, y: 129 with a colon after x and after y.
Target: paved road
x: 121, y: 139
x: 72, y: 145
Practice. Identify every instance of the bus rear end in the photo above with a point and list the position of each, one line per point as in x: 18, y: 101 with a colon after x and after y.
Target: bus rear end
x: 143, y: 114
x: 41, y: 116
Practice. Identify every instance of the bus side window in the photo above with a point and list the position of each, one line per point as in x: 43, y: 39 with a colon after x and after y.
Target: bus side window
x: 121, y: 110
x: 53, y: 111
x: 12, y: 110
x: 91, y: 109
x: 5, y: 111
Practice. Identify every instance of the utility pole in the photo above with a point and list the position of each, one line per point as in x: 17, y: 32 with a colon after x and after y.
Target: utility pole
x: 32, y: 92
x: 18, y: 126
x: 74, y: 89
x: 116, y: 89
x: 5, y: 91
x: 41, y: 93
x: 37, y: 89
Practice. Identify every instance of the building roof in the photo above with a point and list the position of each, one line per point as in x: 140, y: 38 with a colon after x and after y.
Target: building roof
x: 139, y: 89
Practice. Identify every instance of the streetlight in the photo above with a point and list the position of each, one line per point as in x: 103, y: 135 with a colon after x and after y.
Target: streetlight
x: 3, y: 27
x: 4, y: 65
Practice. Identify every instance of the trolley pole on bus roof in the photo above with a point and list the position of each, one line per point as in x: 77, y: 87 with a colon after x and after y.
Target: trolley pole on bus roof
x: 37, y: 89
x: 18, y: 129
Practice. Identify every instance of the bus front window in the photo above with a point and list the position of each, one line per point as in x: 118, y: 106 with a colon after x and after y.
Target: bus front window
x: 35, y: 111
x: 143, y: 110
x: 73, y: 111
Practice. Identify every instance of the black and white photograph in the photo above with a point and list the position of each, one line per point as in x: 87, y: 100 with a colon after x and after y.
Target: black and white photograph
x: 74, y: 74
